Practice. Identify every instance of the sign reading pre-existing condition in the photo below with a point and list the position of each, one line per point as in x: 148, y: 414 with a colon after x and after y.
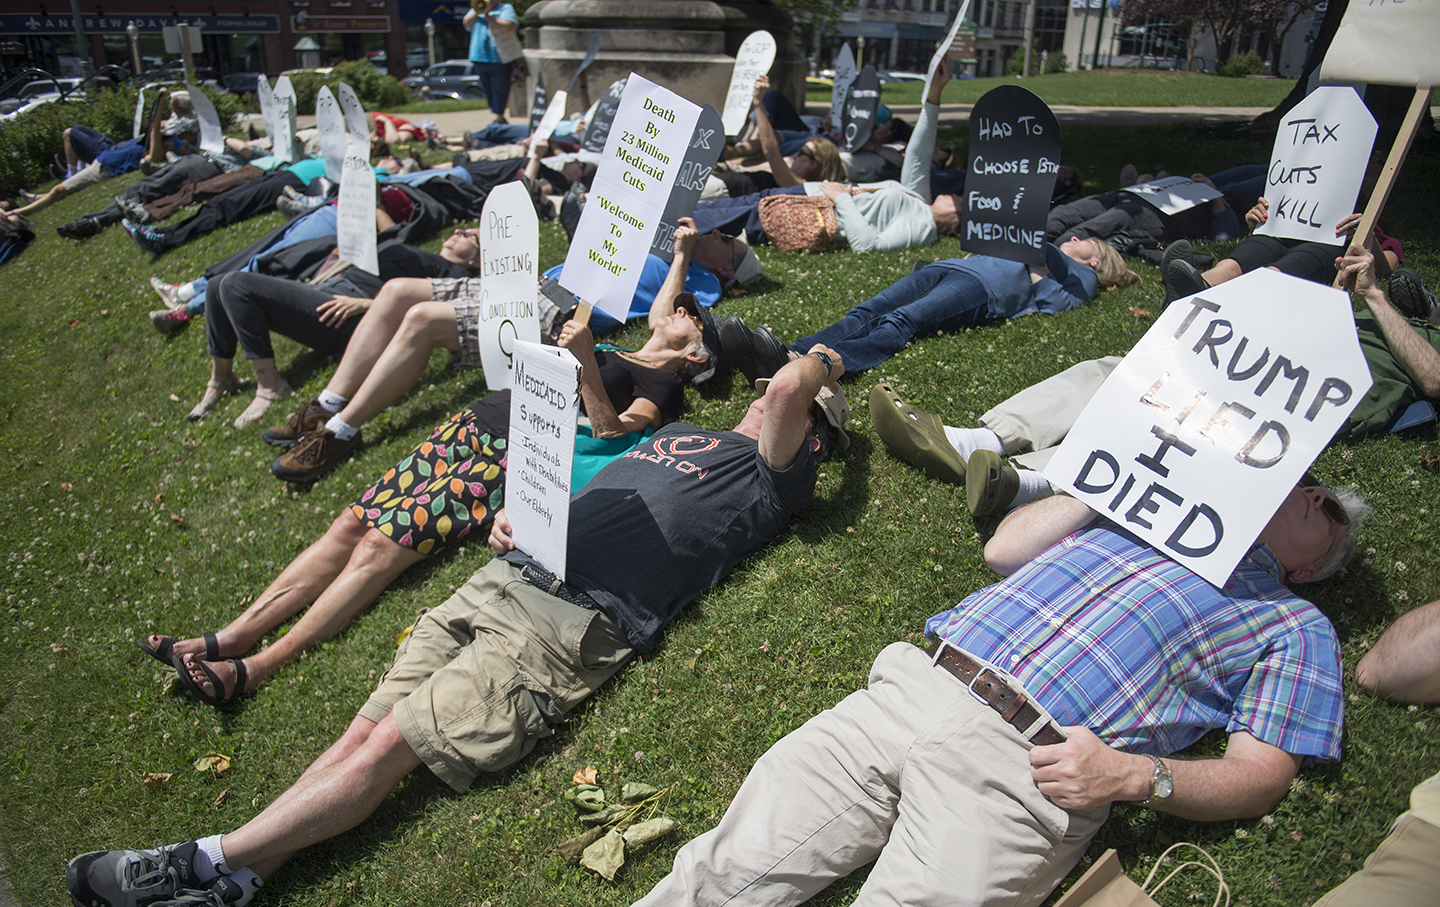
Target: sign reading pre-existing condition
x: 1014, y: 157
x: 638, y: 169
x: 1321, y: 147
x: 1208, y: 424
x: 509, y: 245
x: 544, y: 405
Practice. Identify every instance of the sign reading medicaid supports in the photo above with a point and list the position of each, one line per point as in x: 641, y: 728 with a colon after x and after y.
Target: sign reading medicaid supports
x: 212, y: 137
x: 751, y: 62
x: 509, y: 245
x: 330, y: 124
x: 700, y: 158
x: 1174, y: 194
x: 544, y: 405
x: 1385, y: 43
x: 845, y: 73
x: 1321, y: 148
x: 1014, y: 157
x: 546, y: 126
x: 860, y: 108
x: 538, y: 103
x: 597, y: 130
x: 627, y: 202
x: 1210, y: 421
x: 949, y: 42
x: 282, y: 140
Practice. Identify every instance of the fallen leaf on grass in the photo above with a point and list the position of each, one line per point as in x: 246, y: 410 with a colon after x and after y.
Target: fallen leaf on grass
x: 176, y: 518
x: 586, y: 797
x: 174, y: 399
x: 66, y: 486
x: 603, y: 817
x: 224, y: 795
x: 645, y: 832
x: 153, y: 780
x: 606, y: 855
x: 634, y: 791
x: 573, y: 848
x: 104, y: 311
x: 403, y: 634
x: 586, y: 775
x: 73, y: 321
x: 1139, y: 312
x: 213, y: 762
x: 58, y: 649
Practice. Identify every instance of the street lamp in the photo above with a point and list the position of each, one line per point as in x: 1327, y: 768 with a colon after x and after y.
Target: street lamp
x: 133, y: 33
x: 430, y: 39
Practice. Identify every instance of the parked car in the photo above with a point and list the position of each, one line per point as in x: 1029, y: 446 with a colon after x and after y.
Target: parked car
x: 886, y: 76
x: 242, y: 82
x: 453, y: 78
x: 38, y: 92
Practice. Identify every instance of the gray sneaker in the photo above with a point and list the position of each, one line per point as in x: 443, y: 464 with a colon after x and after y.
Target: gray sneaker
x: 1409, y: 295
x: 291, y: 207
x: 131, y: 878
x: 223, y: 892
x: 133, y: 210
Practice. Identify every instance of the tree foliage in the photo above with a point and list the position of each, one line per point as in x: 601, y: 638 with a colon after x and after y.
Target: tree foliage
x: 1224, y: 18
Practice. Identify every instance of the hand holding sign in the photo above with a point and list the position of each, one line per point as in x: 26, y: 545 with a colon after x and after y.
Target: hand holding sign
x: 752, y: 61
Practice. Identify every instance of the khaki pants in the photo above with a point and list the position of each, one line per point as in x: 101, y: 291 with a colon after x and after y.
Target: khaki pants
x: 1404, y: 871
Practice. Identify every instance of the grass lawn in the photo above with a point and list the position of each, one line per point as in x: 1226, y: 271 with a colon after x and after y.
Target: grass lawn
x: 126, y: 519
x: 1107, y: 88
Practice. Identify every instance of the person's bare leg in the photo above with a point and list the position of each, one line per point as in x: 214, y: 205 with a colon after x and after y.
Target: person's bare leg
x: 337, y: 792
x: 1225, y: 269
x: 49, y: 198
x: 71, y: 158
x: 373, y: 565
x: 426, y: 328
x: 375, y: 331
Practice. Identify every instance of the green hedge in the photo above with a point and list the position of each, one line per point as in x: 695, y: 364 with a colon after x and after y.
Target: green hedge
x: 375, y: 89
x: 1246, y: 64
x: 28, y: 142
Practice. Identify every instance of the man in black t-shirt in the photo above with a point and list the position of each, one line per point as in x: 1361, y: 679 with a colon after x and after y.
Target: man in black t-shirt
x: 499, y: 665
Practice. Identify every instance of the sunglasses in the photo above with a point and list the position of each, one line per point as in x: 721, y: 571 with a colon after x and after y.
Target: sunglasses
x: 1330, y: 507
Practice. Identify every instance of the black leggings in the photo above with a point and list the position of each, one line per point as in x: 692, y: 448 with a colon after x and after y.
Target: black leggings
x: 1308, y: 260
x: 245, y: 307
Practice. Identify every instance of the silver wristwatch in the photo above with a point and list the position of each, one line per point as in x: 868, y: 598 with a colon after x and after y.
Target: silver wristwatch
x: 1161, y: 784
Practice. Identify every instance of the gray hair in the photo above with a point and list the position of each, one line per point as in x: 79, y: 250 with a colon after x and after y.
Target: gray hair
x: 1335, y: 560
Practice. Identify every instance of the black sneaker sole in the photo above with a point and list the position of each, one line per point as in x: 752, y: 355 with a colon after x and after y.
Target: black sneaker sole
x: 294, y: 478
x: 275, y: 439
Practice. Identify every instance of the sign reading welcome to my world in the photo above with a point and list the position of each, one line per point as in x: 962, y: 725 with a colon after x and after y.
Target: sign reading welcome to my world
x: 1321, y: 148
x: 861, y: 105
x: 637, y: 172
x: 1014, y: 157
x: 751, y: 62
x: 509, y: 244
x: 1173, y: 194
x: 1210, y: 421
x: 544, y: 404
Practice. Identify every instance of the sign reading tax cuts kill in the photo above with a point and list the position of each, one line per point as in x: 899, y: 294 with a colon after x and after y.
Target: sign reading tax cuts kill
x: 544, y: 404
x: 637, y: 172
x: 509, y: 245
x: 1014, y: 157
x: 1321, y: 148
x: 1208, y: 424
x: 751, y: 62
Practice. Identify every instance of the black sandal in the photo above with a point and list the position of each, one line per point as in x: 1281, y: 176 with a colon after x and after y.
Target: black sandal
x: 165, y: 652
x: 221, y: 696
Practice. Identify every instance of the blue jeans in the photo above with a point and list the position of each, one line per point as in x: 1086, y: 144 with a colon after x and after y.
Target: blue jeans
x: 731, y: 215
x: 934, y: 298
x: 495, y: 82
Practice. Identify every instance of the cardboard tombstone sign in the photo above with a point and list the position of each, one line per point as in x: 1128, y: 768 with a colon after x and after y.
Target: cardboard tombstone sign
x: 751, y: 62
x: 212, y: 137
x: 845, y: 73
x: 139, y: 113
x: 509, y: 245
x: 546, y: 127
x: 355, y: 116
x: 945, y: 45
x: 282, y: 140
x: 330, y: 125
x: 538, y: 103
x: 265, y: 97
x: 590, y: 52
x: 355, y: 212
x: 1207, y: 425
x: 544, y: 405
x: 1321, y: 148
x: 638, y: 169
x: 1014, y: 157
x: 706, y: 145
x: 1173, y: 194
x: 1385, y: 43
x: 597, y: 130
x: 860, y: 107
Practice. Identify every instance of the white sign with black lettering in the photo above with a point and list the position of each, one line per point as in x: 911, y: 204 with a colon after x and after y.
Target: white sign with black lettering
x: 355, y: 116
x: 552, y: 116
x: 845, y: 73
x: 1174, y: 194
x: 751, y: 62
x: 949, y: 41
x: 1321, y: 148
x: 638, y: 169
x: 265, y: 96
x: 282, y: 140
x: 330, y: 123
x: 355, y: 216
x: 544, y: 405
x: 1210, y: 421
x: 212, y: 137
x: 509, y: 244
x: 1386, y: 43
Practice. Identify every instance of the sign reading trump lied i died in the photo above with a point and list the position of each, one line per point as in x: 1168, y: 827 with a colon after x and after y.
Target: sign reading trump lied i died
x: 751, y: 62
x: 637, y: 171
x: 544, y: 404
x: 1173, y: 194
x: 509, y: 245
x: 1014, y: 157
x: 1321, y: 148
x: 1208, y: 424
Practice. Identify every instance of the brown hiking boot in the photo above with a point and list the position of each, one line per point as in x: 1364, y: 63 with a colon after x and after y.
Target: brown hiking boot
x: 312, y: 456
x: 310, y: 417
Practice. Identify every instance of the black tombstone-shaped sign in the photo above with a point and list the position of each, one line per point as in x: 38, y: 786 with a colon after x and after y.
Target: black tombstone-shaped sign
x: 537, y: 105
x: 1014, y: 156
x: 860, y: 107
x: 598, y: 129
x: 706, y: 144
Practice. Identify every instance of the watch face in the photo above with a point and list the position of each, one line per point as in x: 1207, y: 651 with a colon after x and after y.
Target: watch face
x: 1164, y: 787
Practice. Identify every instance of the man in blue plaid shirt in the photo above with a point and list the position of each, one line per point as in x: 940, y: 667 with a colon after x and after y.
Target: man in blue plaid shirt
x: 977, y: 772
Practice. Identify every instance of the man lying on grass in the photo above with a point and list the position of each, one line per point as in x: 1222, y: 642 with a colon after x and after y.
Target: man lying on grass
x: 504, y: 660
x: 977, y: 772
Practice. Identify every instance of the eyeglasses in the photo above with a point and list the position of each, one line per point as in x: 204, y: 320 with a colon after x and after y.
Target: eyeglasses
x: 806, y: 153
x: 1329, y: 506
x: 737, y: 251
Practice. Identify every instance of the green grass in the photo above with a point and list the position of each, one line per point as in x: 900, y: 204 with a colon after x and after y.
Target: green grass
x: 1110, y: 88
x: 125, y: 519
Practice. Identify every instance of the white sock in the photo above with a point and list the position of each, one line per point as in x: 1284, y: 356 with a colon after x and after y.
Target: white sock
x: 1033, y: 487
x: 343, y: 430
x: 969, y: 440
x: 332, y: 402
x: 213, y: 866
x: 185, y: 293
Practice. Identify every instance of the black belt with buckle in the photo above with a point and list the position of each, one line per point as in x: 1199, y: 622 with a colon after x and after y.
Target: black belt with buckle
x: 548, y: 582
x: 992, y: 689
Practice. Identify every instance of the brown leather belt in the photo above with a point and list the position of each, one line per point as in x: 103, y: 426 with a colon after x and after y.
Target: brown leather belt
x: 992, y: 689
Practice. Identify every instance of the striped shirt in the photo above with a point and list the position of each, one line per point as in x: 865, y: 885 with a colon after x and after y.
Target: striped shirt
x: 1108, y: 633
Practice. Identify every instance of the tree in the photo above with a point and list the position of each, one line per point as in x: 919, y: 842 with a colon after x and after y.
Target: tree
x: 1224, y: 18
x: 1276, y: 18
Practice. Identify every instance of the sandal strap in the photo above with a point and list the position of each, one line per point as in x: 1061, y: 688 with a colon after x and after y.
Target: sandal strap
x: 212, y: 647
x: 280, y: 393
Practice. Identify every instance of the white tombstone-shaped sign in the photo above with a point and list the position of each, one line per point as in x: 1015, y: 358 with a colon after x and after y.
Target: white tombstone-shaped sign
x: 1321, y: 148
x: 330, y: 123
x: 1211, y: 420
x: 509, y: 245
x: 282, y: 139
x: 139, y: 113
x: 553, y: 114
x: 845, y: 73
x: 212, y: 138
x: 544, y: 405
x: 945, y: 45
x: 751, y: 62
x: 355, y: 116
x: 355, y: 216
x: 1385, y: 43
x: 265, y: 95
x: 1174, y: 194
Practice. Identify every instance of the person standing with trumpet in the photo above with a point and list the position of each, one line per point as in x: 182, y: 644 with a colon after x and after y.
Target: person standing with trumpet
x: 485, y: 20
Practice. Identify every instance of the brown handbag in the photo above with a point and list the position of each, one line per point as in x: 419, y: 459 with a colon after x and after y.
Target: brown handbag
x: 798, y: 223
